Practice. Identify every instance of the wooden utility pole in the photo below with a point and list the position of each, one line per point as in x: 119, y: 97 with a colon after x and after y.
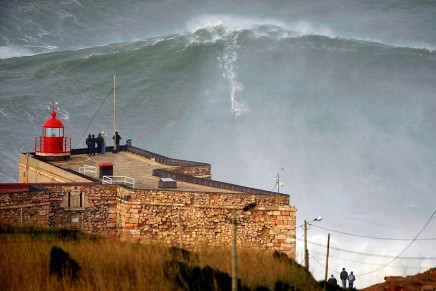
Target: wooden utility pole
x: 327, y: 262
x: 248, y: 207
x: 306, y: 254
x: 234, y: 255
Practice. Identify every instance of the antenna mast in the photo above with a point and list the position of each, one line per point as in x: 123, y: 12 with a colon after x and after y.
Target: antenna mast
x: 115, y: 149
x: 115, y: 111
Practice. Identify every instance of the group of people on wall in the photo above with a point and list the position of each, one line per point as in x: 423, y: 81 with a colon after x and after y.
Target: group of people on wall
x: 344, y: 276
x: 97, y: 145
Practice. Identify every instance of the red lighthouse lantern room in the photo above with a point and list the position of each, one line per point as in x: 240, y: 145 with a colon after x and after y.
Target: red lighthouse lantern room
x: 52, y: 145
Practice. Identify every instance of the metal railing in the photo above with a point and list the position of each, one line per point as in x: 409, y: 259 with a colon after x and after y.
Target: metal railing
x: 119, y: 180
x: 163, y: 173
x: 88, y: 169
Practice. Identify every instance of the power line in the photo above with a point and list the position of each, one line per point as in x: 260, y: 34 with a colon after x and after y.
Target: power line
x: 344, y: 259
x: 323, y: 265
x: 393, y: 258
x: 363, y: 262
x: 406, y: 248
x: 92, y: 119
x: 398, y: 267
x: 371, y: 255
x: 372, y: 237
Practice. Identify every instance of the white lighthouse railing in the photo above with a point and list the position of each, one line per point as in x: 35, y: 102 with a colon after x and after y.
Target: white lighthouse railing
x: 118, y: 180
x: 88, y: 169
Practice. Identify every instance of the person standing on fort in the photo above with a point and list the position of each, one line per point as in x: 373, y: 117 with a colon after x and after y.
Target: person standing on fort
x: 103, y: 147
x: 344, y: 278
x: 88, y: 144
x: 99, y: 144
x: 351, y: 279
x: 117, y: 139
x: 93, y: 142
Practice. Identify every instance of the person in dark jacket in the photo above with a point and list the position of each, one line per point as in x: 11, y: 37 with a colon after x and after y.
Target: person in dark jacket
x: 100, y: 142
x: 332, y: 280
x: 344, y: 278
x: 89, y: 144
x: 117, y: 139
x: 93, y: 142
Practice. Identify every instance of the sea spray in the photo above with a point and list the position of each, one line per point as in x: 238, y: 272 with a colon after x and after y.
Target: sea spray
x: 227, y: 65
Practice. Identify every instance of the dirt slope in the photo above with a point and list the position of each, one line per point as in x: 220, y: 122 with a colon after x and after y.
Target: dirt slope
x: 420, y: 282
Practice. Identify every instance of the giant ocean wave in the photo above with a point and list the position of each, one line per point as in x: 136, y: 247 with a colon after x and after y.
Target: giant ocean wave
x: 339, y: 93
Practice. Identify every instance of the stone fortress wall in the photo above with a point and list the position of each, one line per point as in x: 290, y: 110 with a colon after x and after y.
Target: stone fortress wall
x: 173, y: 217
x: 52, y: 196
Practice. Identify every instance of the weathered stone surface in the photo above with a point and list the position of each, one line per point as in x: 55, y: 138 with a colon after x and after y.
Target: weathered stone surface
x: 195, y: 219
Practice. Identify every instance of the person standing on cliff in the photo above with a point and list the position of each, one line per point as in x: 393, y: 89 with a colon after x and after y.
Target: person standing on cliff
x: 351, y: 279
x: 344, y: 278
x: 332, y: 281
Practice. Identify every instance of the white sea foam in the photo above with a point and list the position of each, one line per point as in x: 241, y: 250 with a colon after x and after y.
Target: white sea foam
x: 280, y: 29
x: 14, y: 51
x: 236, y: 23
x: 63, y: 114
x: 5, y: 113
x: 227, y: 61
x: 7, y: 52
x: 307, y: 28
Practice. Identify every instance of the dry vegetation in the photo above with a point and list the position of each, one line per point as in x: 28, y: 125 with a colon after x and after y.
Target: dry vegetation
x: 107, y: 264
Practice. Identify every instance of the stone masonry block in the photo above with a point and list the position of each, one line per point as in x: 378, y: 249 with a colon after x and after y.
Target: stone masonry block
x: 203, y: 216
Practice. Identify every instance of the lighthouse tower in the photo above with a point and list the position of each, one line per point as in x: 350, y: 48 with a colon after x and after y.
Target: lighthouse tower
x: 52, y: 145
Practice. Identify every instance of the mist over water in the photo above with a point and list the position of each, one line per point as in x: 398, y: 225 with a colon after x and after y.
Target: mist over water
x: 339, y: 94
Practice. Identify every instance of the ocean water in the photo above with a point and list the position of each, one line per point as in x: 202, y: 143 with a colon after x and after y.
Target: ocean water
x: 341, y: 94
